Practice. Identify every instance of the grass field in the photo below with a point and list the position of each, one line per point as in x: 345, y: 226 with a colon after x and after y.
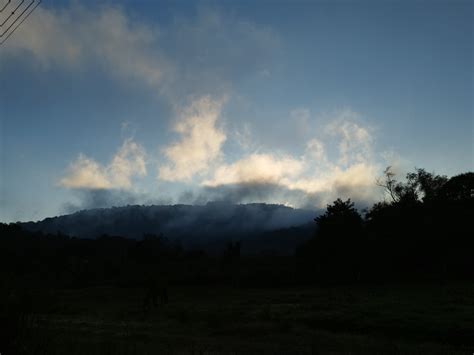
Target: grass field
x: 391, y: 319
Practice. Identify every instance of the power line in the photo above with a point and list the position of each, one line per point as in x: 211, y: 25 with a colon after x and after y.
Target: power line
x: 5, y: 6
x: 12, y: 13
x: 14, y: 21
x: 18, y: 24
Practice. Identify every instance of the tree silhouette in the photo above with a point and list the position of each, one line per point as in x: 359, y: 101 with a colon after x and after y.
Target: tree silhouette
x: 399, y: 192
x: 427, y: 184
x: 339, y: 218
x: 458, y: 188
x: 420, y: 186
x: 334, y: 250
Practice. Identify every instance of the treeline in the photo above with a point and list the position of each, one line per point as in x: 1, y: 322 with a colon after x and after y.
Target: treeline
x: 423, y: 231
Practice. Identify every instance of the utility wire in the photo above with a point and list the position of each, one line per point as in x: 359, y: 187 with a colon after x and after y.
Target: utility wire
x: 5, y: 6
x: 12, y: 13
x: 19, y: 23
x: 19, y: 16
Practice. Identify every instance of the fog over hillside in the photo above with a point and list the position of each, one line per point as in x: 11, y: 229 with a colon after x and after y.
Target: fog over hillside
x: 188, y: 224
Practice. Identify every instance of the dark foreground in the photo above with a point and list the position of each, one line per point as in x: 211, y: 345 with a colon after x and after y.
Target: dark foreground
x: 404, y: 274
x: 389, y: 319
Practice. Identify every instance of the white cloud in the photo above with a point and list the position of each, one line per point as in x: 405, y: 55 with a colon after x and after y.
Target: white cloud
x: 207, y: 53
x: 243, y: 137
x: 129, y: 161
x: 310, y: 178
x: 200, y: 143
x: 195, y: 55
x: 355, y: 141
x: 315, y: 150
x: 352, y: 173
x: 86, y: 173
x: 258, y: 168
x: 76, y: 36
x: 313, y: 175
x: 356, y: 181
x: 211, y: 50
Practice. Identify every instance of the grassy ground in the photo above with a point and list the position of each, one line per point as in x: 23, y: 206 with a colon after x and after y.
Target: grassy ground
x: 392, y: 319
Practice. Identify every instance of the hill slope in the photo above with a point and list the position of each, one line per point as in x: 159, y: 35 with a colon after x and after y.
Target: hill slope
x: 191, y: 225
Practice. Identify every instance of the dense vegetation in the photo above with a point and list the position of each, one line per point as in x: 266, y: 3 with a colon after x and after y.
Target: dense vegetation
x: 423, y: 232
x: 421, y: 235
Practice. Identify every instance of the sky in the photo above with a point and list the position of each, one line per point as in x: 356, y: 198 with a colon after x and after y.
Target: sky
x: 108, y: 103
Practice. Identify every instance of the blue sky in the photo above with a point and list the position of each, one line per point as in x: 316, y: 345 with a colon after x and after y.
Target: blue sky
x: 182, y: 102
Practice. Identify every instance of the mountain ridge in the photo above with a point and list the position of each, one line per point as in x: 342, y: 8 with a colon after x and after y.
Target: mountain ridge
x: 191, y: 225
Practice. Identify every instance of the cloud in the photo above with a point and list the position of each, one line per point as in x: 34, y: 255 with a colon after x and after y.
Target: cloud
x: 356, y: 181
x: 250, y: 192
x: 310, y: 180
x: 203, y: 53
x: 74, y: 37
x: 200, y: 143
x: 243, y: 137
x: 315, y: 150
x: 88, y: 198
x: 355, y: 141
x: 86, y: 173
x: 211, y: 50
x: 257, y: 168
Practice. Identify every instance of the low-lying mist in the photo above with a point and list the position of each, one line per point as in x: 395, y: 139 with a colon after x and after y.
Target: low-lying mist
x: 190, y: 225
